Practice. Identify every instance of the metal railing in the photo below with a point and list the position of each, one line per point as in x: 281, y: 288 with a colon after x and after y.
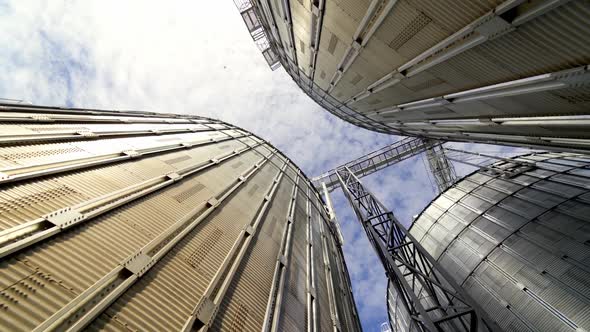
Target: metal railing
x: 376, y: 160
x: 252, y: 20
x: 440, y: 166
x: 431, y: 296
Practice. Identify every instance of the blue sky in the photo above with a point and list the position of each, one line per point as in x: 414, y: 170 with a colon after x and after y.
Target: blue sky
x: 197, y: 57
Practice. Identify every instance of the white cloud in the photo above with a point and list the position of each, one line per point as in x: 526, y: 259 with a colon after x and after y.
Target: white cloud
x: 182, y: 56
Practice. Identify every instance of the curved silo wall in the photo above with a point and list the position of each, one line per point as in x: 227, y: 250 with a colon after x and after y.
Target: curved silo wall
x: 143, y: 221
x: 518, y: 243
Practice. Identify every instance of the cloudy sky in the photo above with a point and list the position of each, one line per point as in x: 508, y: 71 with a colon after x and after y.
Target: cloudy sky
x: 197, y: 57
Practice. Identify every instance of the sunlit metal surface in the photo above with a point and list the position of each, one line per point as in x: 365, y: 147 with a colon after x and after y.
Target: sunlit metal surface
x: 502, y: 72
x: 440, y: 166
x: 160, y: 222
x: 375, y: 161
x: 515, y: 236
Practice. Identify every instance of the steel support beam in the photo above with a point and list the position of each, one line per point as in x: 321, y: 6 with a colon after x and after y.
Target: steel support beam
x: 11, y: 112
x: 317, y: 20
x: 489, y: 26
x: 331, y: 212
x: 88, y: 305
x: 376, y: 13
x: 376, y: 160
x: 13, y: 174
x: 257, y: 32
x: 441, y: 168
x: 210, y: 302
x: 30, y: 232
x: 509, y: 168
x: 432, y: 297
x: 534, y: 84
x: 273, y: 310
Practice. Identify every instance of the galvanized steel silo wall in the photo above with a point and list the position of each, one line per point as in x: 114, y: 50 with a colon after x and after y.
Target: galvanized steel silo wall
x: 157, y: 222
x: 517, y: 242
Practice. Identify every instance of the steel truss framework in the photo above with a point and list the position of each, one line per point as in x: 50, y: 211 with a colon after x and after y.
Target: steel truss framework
x: 442, y: 169
x: 257, y: 32
x: 440, y: 166
x: 376, y: 160
x: 435, y: 302
x: 509, y: 168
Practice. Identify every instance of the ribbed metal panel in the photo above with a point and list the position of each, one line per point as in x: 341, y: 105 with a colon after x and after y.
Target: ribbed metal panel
x: 323, y: 317
x: 182, y: 277
x: 156, y: 226
x: 518, y: 244
x: 294, y: 315
x: 241, y: 310
x: 374, y: 57
x: 453, y: 15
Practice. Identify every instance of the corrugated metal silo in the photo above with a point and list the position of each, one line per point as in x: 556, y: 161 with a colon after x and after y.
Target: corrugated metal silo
x: 517, y: 241
x: 143, y: 221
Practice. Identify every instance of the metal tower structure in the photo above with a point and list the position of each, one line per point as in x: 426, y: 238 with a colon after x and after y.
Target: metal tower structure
x: 441, y: 168
x: 376, y: 160
x: 417, y: 277
x: 410, y: 269
x: 439, y: 165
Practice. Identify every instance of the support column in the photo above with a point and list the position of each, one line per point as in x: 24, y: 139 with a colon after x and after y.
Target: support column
x: 273, y: 310
x: 433, y: 299
x: 332, y: 213
x: 441, y: 168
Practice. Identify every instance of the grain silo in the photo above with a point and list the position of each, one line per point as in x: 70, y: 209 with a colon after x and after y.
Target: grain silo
x: 119, y: 220
x: 515, y: 237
